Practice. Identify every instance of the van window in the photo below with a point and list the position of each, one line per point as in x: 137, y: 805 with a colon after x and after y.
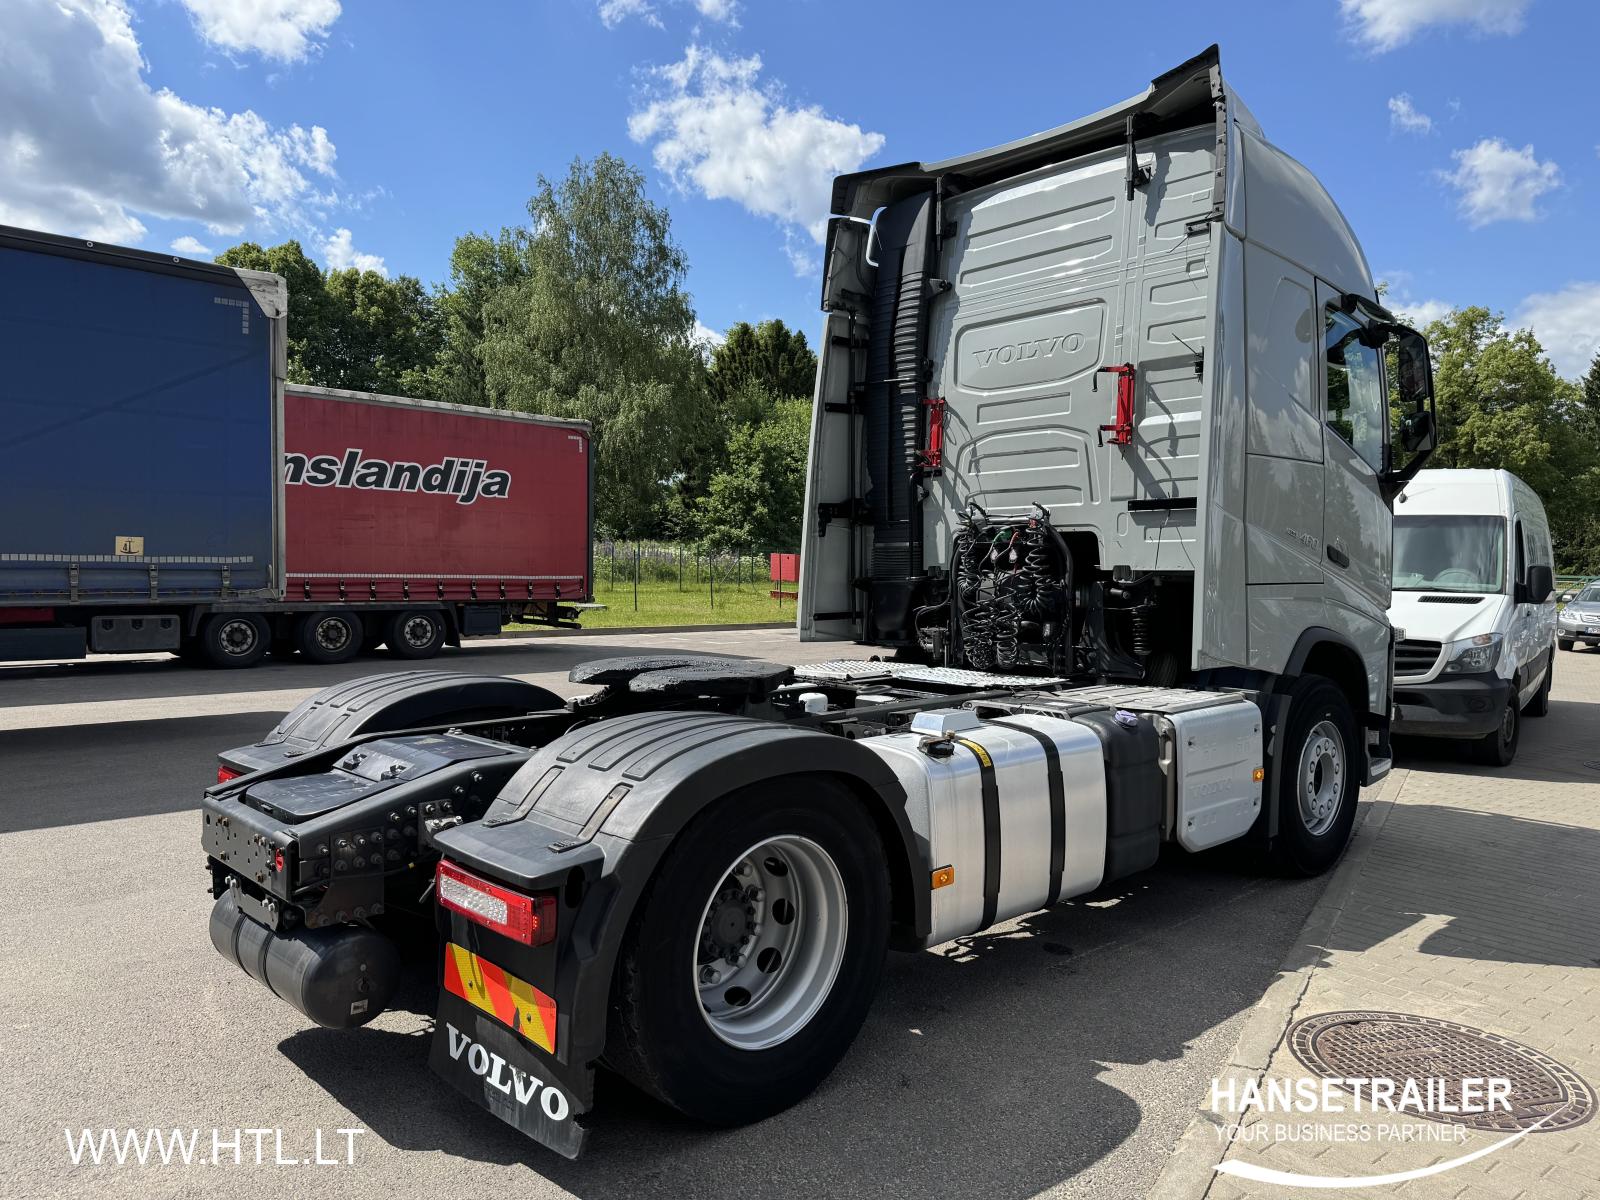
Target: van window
x: 1358, y: 410
x: 1449, y: 554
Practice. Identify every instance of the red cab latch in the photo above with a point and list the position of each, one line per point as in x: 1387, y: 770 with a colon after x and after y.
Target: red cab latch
x: 933, y: 456
x: 1121, y: 429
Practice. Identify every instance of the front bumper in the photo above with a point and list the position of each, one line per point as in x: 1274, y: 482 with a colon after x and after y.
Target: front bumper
x: 1457, y: 706
x: 1579, y: 633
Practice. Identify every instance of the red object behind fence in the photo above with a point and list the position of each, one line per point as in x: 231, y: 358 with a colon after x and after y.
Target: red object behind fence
x: 388, y: 499
x: 785, y: 568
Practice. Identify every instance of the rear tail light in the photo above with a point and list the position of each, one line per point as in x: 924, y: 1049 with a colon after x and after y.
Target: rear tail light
x: 225, y: 773
x: 530, y: 920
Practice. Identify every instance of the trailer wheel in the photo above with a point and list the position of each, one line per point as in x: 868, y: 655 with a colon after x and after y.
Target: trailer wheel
x: 1319, y: 778
x: 329, y: 637
x: 754, y: 953
x: 234, y: 639
x: 415, y: 633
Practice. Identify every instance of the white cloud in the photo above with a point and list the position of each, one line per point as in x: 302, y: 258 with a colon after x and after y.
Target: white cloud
x: 87, y: 146
x: 1567, y: 324
x: 1385, y: 24
x: 726, y: 11
x: 191, y: 246
x: 1500, y: 183
x: 704, y: 335
x: 287, y: 30
x: 615, y: 12
x: 341, y: 254
x: 714, y: 128
x: 1404, y: 117
x: 1422, y: 313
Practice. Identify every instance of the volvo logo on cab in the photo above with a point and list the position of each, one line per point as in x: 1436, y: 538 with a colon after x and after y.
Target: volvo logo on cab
x: 1045, y: 347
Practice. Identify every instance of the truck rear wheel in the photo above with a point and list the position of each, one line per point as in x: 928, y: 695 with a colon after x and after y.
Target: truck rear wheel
x: 753, y: 955
x: 234, y: 639
x: 1319, y: 778
x: 415, y: 633
x: 329, y: 637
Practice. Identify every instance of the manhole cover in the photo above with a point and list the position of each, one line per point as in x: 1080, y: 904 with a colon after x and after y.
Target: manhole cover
x: 1399, y: 1046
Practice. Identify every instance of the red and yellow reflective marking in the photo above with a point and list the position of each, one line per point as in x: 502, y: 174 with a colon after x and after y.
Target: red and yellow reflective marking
x: 507, y: 999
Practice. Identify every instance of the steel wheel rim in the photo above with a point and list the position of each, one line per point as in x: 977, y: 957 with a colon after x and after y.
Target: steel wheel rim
x: 1320, y: 780
x: 418, y: 632
x: 771, y: 939
x: 238, y: 637
x: 332, y: 633
x: 1508, y: 723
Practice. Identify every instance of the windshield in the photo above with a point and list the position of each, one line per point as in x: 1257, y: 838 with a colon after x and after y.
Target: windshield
x: 1449, y: 554
x: 1589, y: 595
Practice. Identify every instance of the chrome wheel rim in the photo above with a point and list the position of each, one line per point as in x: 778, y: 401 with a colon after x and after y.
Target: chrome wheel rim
x: 772, y: 936
x: 417, y: 632
x: 1321, y: 777
x: 333, y: 634
x: 238, y: 637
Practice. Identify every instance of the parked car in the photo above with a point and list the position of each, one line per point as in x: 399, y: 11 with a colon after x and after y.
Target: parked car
x: 1579, y: 620
x: 1474, y: 599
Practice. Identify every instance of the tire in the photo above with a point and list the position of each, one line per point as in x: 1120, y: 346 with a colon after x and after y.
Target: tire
x: 1319, y: 778
x: 1566, y: 643
x: 329, y: 637
x: 415, y: 633
x: 234, y: 639
x: 1499, y: 749
x: 1539, y: 704
x: 708, y: 1051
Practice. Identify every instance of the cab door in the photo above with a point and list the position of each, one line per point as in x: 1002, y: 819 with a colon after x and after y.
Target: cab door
x: 1357, y: 531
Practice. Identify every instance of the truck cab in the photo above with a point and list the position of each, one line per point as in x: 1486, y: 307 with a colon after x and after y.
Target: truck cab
x: 1474, y: 594
x: 1111, y: 402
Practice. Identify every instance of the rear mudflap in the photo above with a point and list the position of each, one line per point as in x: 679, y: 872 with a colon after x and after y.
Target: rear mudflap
x: 488, y: 1063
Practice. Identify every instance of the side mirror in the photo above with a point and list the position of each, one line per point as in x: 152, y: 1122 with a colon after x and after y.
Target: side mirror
x: 1541, y: 582
x: 1416, y: 424
x: 1565, y: 596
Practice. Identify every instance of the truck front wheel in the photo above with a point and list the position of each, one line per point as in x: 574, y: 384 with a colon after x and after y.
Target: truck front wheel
x: 416, y: 633
x: 234, y: 639
x: 1319, y: 778
x: 753, y: 955
x: 329, y: 637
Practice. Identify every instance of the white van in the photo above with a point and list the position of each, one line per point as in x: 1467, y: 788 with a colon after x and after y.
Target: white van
x: 1473, y: 607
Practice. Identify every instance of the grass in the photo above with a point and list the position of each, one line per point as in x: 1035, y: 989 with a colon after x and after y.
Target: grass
x: 662, y: 603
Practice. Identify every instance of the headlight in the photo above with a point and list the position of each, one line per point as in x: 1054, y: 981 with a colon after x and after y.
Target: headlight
x: 1568, y: 618
x: 1475, y: 655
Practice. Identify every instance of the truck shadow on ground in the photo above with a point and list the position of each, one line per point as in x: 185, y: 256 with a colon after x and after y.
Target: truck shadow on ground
x: 134, y: 765
x: 981, y: 1071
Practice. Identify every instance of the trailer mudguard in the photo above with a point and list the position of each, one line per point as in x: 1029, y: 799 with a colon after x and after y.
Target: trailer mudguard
x: 590, y: 815
x: 385, y: 703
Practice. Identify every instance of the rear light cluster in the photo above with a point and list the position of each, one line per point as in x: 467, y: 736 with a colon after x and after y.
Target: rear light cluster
x: 530, y: 920
x: 225, y: 773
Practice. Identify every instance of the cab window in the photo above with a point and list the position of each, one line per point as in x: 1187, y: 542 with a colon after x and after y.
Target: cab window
x: 1357, y: 407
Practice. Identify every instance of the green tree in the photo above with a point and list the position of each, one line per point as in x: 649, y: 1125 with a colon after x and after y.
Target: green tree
x: 770, y: 355
x: 1502, y: 405
x: 755, y: 501
x: 350, y: 329
x: 597, y: 326
x: 479, y: 266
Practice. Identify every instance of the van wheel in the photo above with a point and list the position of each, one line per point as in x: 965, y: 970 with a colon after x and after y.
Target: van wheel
x: 329, y: 637
x: 752, y: 957
x: 1539, y: 704
x: 416, y: 633
x: 234, y: 639
x: 1319, y: 778
x: 1497, y: 749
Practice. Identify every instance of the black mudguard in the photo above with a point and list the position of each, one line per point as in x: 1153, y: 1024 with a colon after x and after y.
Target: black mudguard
x: 388, y: 702
x: 589, y: 817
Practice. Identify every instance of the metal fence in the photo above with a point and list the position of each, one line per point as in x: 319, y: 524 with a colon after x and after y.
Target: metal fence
x: 621, y: 568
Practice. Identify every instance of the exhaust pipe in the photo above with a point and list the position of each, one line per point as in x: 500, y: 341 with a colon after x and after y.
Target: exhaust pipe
x: 340, y: 977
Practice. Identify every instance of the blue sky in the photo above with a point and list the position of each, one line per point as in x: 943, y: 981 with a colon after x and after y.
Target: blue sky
x: 1461, y: 137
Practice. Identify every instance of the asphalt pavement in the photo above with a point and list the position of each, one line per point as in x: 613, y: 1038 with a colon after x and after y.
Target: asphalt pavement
x: 1063, y: 1053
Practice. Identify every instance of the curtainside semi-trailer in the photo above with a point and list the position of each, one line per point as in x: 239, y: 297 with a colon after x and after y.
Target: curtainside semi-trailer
x: 1102, y: 450
x: 163, y: 488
